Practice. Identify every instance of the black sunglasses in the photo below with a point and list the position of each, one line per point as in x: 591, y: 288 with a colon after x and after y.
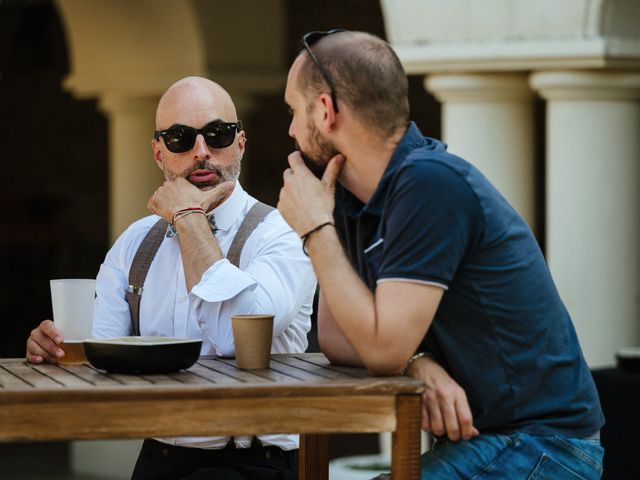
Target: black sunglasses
x: 306, y: 42
x: 217, y: 134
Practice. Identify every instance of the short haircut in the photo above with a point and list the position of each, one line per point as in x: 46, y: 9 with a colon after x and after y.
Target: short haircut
x: 367, y: 76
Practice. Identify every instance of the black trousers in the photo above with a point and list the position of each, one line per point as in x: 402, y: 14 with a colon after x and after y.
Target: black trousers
x: 160, y: 461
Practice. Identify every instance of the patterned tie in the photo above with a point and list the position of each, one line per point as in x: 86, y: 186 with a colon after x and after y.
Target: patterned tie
x: 172, y: 232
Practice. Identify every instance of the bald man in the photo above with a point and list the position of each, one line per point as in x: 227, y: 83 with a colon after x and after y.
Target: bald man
x: 191, y: 289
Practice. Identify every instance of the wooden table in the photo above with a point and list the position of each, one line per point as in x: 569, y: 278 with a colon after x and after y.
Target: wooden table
x: 300, y: 393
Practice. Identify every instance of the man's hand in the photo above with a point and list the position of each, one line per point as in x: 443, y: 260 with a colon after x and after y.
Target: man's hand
x: 43, y: 344
x: 445, y: 408
x: 306, y: 202
x: 177, y: 194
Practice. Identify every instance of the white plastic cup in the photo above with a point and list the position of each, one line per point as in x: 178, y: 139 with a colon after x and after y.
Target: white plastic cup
x: 72, y: 301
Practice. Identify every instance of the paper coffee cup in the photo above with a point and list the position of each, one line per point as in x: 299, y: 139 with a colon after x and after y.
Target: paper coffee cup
x: 252, y: 340
x: 72, y: 301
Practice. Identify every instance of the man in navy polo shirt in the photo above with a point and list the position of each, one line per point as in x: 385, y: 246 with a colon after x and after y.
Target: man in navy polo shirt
x: 415, y: 251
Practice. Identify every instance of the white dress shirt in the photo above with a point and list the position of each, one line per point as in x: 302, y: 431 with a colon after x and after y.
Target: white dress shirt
x: 274, y: 277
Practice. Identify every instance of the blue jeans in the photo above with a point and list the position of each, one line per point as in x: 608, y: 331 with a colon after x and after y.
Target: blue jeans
x: 518, y: 456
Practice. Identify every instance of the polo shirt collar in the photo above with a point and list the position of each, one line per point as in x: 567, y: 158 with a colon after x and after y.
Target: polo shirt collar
x: 411, y: 140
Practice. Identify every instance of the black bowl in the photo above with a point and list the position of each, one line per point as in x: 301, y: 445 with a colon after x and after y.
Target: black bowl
x: 142, y: 355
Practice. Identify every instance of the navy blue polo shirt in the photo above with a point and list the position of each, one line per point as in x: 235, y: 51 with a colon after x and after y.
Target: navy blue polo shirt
x: 501, y: 329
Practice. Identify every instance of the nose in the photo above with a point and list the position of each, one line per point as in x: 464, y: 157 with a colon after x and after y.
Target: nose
x: 200, y: 148
x: 292, y: 132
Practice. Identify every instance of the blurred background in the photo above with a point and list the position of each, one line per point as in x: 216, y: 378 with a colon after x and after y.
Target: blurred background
x: 544, y: 97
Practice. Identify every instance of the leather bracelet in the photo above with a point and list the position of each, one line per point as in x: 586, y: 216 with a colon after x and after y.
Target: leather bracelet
x: 186, y: 211
x: 413, y: 359
x: 307, y: 235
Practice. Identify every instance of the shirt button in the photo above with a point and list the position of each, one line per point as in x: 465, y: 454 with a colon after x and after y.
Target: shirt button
x: 183, y: 298
x: 165, y: 452
x: 268, y: 454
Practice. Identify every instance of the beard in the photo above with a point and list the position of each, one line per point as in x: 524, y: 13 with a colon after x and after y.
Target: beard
x: 319, y: 153
x: 222, y: 174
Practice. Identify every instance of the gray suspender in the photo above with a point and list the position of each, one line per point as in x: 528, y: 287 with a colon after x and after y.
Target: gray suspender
x: 151, y: 242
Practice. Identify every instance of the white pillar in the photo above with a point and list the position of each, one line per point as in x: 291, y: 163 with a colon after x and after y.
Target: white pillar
x: 133, y: 174
x: 593, y: 222
x: 487, y: 119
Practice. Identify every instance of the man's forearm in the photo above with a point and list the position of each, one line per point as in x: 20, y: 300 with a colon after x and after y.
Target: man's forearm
x: 352, y: 303
x: 198, y: 247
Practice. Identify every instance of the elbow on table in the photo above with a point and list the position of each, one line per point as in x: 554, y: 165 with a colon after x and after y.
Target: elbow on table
x: 384, y: 365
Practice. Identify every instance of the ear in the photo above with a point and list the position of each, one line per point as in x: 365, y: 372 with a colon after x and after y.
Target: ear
x: 329, y: 113
x: 157, y: 153
x: 242, y: 140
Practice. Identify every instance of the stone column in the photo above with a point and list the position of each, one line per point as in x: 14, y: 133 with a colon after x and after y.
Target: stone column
x: 593, y: 195
x: 133, y: 174
x: 488, y: 120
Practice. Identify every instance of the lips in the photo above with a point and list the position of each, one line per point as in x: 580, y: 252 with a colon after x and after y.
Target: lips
x: 202, y: 176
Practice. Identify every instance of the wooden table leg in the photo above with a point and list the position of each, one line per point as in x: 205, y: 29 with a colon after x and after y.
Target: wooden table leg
x: 314, y: 457
x: 405, y: 449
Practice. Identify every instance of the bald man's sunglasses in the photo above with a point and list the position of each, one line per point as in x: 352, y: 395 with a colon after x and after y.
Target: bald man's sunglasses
x: 306, y: 42
x: 180, y: 139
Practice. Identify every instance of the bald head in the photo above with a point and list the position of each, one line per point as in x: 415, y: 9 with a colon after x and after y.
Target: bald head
x: 367, y: 75
x: 192, y: 101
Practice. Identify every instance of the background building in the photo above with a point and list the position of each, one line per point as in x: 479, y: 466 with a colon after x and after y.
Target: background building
x: 544, y: 97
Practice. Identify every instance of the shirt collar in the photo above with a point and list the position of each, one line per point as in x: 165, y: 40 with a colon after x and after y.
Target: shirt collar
x: 411, y: 140
x: 231, y: 209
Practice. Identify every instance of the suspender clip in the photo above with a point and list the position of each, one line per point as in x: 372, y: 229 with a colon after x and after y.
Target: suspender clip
x: 135, y: 289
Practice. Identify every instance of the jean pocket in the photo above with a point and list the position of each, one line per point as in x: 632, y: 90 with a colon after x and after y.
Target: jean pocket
x: 588, y: 451
x: 550, y: 469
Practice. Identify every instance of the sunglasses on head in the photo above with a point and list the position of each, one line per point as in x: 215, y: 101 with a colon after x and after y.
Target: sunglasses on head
x: 180, y: 138
x: 306, y: 42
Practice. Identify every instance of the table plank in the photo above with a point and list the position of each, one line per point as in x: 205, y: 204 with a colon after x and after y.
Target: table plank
x: 159, y: 379
x: 90, y: 374
x: 226, y: 367
x: 212, y: 376
x: 189, y: 378
x: 9, y: 380
x: 62, y: 376
x: 270, y: 374
x: 31, y: 376
x: 177, y: 417
x: 322, y: 361
x: 310, y: 370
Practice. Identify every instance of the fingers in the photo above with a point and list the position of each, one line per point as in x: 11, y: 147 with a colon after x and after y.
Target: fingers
x: 296, y: 163
x: 465, y: 418
x: 446, y: 411
x: 42, y: 344
x: 436, y: 422
x: 333, y: 170
x: 218, y: 195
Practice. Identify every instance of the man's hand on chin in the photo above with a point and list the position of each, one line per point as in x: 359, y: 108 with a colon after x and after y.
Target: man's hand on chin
x: 174, y: 195
x: 306, y: 202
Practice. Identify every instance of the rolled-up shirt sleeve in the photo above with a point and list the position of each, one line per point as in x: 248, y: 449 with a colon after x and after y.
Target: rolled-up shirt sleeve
x: 275, y: 278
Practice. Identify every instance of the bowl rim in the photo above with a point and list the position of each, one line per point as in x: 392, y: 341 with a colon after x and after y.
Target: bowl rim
x: 142, y: 341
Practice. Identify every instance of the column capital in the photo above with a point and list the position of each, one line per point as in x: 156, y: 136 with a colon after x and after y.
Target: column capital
x: 479, y: 87
x: 587, y: 85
